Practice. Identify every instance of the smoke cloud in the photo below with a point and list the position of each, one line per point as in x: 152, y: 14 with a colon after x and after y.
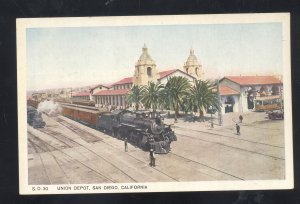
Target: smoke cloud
x: 49, y: 107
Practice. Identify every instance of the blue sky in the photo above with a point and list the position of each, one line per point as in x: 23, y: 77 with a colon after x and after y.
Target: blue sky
x: 65, y: 57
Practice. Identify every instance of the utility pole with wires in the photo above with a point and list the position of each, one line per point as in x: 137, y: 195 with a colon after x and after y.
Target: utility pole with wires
x: 220, y: 118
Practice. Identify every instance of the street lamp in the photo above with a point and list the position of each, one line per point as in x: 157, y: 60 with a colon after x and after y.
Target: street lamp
x: 211, y: 119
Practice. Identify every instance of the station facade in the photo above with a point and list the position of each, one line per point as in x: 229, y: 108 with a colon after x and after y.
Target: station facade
x: 145, y: 71
x: 238, y: 93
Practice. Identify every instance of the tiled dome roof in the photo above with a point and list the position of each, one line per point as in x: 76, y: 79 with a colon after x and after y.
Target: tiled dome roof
x: 192, y: 59
x: 145, y: 58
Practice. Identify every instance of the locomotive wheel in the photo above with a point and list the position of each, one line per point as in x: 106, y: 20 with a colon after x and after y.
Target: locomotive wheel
x: 116, y: 133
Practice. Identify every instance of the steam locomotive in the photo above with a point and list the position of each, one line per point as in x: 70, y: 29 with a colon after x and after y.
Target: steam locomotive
x: 140, y: 129
x: 34, y: 118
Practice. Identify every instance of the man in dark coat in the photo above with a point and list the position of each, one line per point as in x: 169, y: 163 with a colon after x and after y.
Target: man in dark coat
x: 237, y: 129
x: 125, y: 143
x: 152, y: 158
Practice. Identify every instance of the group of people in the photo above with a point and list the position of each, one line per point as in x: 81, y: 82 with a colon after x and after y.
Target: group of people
x: 151, y: 153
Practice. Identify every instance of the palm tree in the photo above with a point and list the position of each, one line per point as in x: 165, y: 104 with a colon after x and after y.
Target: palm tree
x: 135, y: 96
x: 152, y: 94
x: 176, y: 89
x: 204, y: 96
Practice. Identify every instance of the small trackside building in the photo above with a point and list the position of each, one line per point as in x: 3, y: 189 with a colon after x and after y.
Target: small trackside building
x: 238, y: 93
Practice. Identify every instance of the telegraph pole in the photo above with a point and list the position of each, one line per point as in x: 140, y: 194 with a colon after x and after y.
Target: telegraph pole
x: 71, y: 96
x: 219, y: 109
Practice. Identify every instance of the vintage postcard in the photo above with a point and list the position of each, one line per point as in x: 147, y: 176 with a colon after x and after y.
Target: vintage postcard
x: 154, y: 103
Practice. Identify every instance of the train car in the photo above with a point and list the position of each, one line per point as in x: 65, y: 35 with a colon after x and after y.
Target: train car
x: 76, y: 101
x: 83, y: 114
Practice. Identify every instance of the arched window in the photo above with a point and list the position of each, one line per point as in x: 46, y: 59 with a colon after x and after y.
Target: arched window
x: 149, y: 72
x: 187, y: 70
x: 275, y: 90
x: 197, y: 71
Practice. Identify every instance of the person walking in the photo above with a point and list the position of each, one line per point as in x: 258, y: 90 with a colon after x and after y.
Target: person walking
x: 125, y: 144
x: 237, y: 126
x: 241, y: 118
x: 152, y: 158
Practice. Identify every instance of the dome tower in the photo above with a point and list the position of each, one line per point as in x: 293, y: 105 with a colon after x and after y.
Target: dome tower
x: 193, y: 67
x: 145, y: 69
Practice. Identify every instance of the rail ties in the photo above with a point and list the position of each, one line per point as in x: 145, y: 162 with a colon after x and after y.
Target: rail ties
x: 86, y: 136
x: 42, y: 145
x: 61, y: 137
x: 218, y: 170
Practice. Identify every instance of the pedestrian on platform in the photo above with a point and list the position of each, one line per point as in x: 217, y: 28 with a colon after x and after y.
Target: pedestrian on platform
x: 241, y: 118
x: 237, y: 126
x: 152, y: 158
x: 125, y: 144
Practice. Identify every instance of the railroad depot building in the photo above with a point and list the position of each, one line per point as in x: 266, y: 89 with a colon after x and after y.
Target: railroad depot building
x: 239, y: 93
x: 145, y: 71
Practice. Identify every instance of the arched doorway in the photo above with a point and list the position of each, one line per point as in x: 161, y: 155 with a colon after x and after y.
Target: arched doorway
x: 250, y: 97
x: 229, y: 104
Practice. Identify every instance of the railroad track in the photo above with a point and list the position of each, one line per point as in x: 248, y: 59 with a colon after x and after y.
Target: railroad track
x: 86, y: 136
x: 238, y: 148
x: 156, y: 168
x: 42, y: 146
x: 60, y: 137
x: 56, y: 149
x: 210, y: 167
x: 78, y: 144
x: 44, y: 149
x: 55, y: 133
x: 220, y: 135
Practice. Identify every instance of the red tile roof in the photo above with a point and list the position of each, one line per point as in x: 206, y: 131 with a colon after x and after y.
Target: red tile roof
x: 166, y: 73
x: 126, y: 80
x: 225, y: 90
x: 98, y: 85
x: 254, y: 80
x: 112, y: 92
x: 81, y: 94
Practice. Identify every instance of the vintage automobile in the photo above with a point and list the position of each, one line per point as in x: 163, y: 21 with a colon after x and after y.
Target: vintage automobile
x: 276, y: 115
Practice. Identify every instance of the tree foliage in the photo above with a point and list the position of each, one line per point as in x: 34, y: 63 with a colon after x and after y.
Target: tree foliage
x: 176, y: 89
x: 203, y: 96
x: 152, y: 94
x: 136, y: 95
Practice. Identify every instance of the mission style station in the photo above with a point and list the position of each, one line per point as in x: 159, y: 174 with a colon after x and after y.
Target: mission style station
x: 238, y: 93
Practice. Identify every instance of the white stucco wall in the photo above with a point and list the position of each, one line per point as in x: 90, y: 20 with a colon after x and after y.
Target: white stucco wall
x: 236, y: 106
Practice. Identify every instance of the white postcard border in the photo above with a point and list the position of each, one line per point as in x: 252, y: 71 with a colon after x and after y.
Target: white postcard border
x: 23, y: 24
